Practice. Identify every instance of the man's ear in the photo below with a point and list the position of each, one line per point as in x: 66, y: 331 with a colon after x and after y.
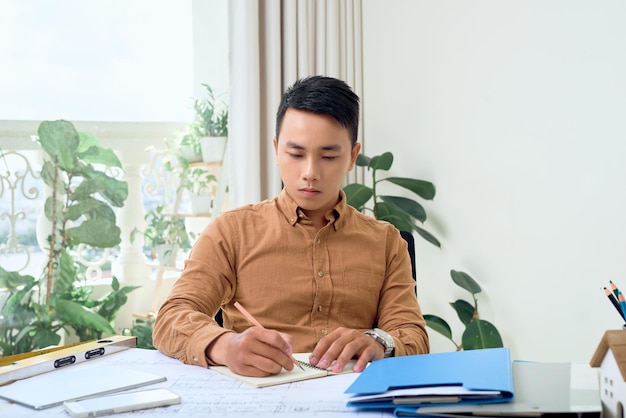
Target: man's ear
x: 275, y: 142
x: 356, y: 149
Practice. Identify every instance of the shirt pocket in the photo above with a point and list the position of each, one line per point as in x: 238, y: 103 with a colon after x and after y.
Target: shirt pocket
x: 359, y: 295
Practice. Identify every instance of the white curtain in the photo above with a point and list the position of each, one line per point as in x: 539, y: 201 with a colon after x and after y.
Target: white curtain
x: 272, y: 44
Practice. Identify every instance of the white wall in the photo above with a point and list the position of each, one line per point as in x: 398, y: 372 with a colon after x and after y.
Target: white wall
x: 515, y: 110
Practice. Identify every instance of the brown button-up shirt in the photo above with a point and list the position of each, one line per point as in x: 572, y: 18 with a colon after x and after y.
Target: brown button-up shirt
x: 355, y: 272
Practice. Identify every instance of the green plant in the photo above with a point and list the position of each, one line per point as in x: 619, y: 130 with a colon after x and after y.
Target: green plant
x: 163, y: 229
x: 478, y: 333
x: 211, y: 115
x: 142, y: 329
x: 80, y: 210
x: 397, y: 210
x: 197, y: 181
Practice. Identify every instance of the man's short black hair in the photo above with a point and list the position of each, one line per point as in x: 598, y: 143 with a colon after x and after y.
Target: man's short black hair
x: 325, y: 96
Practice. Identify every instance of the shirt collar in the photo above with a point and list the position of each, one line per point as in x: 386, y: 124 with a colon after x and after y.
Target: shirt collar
x: 294, y: 213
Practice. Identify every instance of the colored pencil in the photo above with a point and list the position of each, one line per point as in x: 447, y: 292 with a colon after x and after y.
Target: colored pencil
x: 622, y: 303
x: 258, y: 324
x: 614, y: 288
x: 615, y: 303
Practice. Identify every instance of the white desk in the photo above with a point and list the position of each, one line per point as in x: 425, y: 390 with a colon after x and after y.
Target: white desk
x: 206, y: 393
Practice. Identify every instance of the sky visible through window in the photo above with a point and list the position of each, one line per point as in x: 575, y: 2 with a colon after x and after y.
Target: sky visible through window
x: 96, y: 60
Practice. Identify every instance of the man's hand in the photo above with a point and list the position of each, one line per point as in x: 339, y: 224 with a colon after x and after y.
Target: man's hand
x: 255, y: 352
x: 341, y: 346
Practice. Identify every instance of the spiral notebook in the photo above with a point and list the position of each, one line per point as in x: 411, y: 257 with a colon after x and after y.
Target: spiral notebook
x: 285, y: 376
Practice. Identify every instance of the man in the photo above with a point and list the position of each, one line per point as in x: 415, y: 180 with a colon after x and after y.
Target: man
x: 317, y: 274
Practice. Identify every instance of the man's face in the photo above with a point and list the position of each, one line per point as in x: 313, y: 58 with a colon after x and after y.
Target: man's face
x: 314, y: 153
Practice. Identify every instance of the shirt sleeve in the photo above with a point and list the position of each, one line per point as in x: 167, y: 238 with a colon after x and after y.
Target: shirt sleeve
x: 399, y: 312
x: 184, y: 326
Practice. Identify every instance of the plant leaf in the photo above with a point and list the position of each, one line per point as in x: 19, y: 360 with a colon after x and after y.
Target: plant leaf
x: 409, y: 206
x: 481, y: 334
x: 382, y: 162
x: 422, y: 188
x: 396, y: 217
x: 60, y: 140
x: 465, y: 281
x: 439, y: 325
x: 76, y: 315
x: 96, y: 232
x: 357, y: 195
x: 464, y: 310
x: 91, y: 152
x: 362, y: 160
x: 427, y: 236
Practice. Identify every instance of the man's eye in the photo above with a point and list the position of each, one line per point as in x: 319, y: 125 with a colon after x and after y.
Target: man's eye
x: 329, y: 157
x: 292, y: 155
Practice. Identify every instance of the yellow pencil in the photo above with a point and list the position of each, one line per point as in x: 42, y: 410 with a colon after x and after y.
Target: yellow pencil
x: 258, y: 324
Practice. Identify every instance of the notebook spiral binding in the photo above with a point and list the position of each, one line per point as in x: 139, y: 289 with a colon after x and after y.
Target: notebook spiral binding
x: 310, y: 366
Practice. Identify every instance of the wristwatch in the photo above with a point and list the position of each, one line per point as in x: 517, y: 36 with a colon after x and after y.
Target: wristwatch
x: 385, y: 339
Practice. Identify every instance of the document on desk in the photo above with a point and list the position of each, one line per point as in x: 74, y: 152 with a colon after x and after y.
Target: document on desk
x: 205, y: 393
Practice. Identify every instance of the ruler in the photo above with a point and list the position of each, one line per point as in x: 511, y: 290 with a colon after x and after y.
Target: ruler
x: 21, y: 366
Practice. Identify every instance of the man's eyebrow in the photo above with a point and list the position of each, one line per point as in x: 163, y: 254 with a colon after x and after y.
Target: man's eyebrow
x: 293, y: 145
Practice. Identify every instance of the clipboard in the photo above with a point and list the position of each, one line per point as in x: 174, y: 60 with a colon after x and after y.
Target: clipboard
x: 26, y: 365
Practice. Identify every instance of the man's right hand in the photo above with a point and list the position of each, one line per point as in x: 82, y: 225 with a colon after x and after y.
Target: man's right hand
x: 255, y: 352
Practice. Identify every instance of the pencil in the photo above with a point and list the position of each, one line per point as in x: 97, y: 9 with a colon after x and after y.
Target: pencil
x: 258, y: 324
x: 622, y: 304
x: 615, y: 303
x: 614, y: 288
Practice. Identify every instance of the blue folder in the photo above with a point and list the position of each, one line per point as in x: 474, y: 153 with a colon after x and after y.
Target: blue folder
x: 488, y: 369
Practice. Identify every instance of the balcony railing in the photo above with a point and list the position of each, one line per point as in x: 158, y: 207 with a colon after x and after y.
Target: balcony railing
x: 22, y: 194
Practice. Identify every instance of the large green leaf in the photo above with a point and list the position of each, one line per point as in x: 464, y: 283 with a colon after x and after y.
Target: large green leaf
x: 464, y: 310
x: 51, y: 204
x: 439, y: 325
x: 60, y: 140
x: 90, y: 151
x: 382, y: 162
x: 89, y: 206
x: 76, y: 315
x: 410, y: 206
x: 422, y: 188
x: 357, y: 195
x: 427, y: 236
x: 96, y: 232
x: 396, y: 217
x: 362, y: 160
x: 465, y: 281
x: 112, y: 190
x: 481, y: 334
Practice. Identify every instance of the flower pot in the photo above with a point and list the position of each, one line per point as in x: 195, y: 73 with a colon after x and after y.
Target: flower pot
x: 187, y: 152
x: 166, y: 254
x: 213, y: 148
x: 201, y: 203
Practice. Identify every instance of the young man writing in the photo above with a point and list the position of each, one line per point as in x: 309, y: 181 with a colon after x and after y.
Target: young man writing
x: 318, y: 275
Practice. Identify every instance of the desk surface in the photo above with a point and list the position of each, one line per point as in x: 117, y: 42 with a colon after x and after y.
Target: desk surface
x: 206, y: 393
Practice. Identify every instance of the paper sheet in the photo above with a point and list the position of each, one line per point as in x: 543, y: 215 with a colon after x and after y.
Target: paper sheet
x: 206, y: 393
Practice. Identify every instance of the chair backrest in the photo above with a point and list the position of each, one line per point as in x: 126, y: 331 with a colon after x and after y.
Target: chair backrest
x: 410, y: 240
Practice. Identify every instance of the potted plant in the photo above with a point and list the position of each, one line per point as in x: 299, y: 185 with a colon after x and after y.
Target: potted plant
x: 164, y: 235
x: 211, y: 125
x: 397, y: 210
x: 200, y: 184
x: 80, y: 211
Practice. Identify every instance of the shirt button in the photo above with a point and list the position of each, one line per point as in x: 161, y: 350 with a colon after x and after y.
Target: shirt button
x: 319, y: 241
x: 196, y: 360
x: 324, y: 331
x: 320, y: 273
x: 292, y: 220
x: 319, y: 308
